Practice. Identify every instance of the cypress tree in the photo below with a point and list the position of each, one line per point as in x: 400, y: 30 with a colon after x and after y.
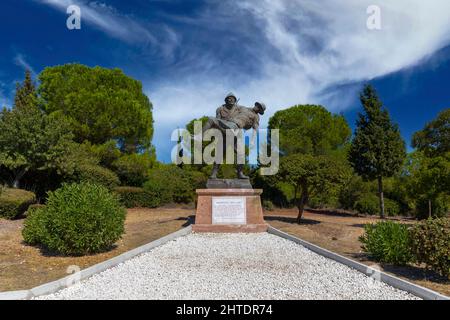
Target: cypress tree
x: 377, y: 149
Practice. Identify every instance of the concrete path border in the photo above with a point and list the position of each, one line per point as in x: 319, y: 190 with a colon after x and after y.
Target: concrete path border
x: 395, y: 282
x: 57, y: 285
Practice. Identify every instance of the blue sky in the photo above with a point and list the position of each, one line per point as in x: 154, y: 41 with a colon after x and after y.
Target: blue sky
x: 189, y: 54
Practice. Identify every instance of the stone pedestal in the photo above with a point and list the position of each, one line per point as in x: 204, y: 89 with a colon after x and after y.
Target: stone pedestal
x: 229, y: 211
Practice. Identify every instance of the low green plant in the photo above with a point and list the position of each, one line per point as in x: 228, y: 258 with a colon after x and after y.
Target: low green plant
x: 268, y: 205
x: 430, y: 242
x: 14, y: 202
x: 133, y: 197
x: 171, y: 184
x: 391, y: 207
x: 78, y: 219
x: 99, y: 175
x: 388, y: 242
x: 133, y: 169
x: 33, y: 208
x: 368, y: 203
x: 35, y: 227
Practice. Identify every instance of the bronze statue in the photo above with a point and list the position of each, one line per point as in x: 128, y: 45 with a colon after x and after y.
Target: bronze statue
x: 233, y: 116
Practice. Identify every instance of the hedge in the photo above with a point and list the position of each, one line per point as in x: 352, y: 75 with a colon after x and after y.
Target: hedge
x: 14, y: 202
x: 133, y: 197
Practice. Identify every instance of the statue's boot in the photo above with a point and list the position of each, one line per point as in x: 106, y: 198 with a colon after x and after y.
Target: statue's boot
x: 240, y: 173
x: 215, y: 171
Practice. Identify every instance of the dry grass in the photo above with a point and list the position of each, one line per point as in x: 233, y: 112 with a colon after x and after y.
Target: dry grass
x: 24, y: 267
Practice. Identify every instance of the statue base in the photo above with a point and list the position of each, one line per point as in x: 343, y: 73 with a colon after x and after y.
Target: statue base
x: 229, y: 184
x: 229, y: 211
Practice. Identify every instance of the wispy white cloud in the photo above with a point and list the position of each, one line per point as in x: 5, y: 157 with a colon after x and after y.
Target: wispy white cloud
x: 118, y: 25
x: 21, y: 61
x: 299, y: 52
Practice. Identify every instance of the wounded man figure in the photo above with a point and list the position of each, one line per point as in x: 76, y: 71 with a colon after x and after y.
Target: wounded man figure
x: 233, y: 116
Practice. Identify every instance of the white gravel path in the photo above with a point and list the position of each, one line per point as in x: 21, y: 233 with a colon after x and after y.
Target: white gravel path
x: 230, y: 266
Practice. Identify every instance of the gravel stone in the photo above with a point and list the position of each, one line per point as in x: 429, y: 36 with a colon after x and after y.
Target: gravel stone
x: 230, y: 266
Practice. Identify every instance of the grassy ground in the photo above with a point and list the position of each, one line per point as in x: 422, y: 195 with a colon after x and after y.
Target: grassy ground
x: 23, y: 267
x: 339, y: 232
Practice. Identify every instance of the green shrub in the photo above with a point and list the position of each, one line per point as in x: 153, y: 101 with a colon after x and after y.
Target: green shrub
x: 132, y: 197
x: 351, y: 191
x: 33, y: 208
x: 78, y: 219
x: 388, y: 242
x: 431, y: 244
x: 268, y: 205
x: 171, y: 185
x: 14, y: 202
x: 391, y: 207
x: 439, y: 207
x: 35, y: 226
x: 96, y: 174
x: 133, y: 169
x: 368, y: 204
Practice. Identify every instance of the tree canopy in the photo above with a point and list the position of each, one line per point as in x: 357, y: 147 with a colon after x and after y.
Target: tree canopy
x: 310, y: 129
x: 29, y: 139
x: 434, y: 139
x: 100, y: 104
x: 310, y: 175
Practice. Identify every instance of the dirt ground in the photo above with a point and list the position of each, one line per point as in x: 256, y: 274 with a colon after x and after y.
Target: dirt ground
x: 339, y: 232
x: 24, y: 267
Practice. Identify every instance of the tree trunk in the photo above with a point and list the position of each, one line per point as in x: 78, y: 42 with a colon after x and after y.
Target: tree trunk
x: 17, y: 178
x: 430, y: 211
x: 301, y: 204
x: 381, y: 194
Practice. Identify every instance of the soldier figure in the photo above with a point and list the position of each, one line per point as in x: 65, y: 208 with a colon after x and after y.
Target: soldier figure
x: 233, y: 116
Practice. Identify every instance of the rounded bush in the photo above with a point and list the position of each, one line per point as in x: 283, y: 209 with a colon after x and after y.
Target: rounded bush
x: 171, y: 185
x: 132, y: 197
x: 133, y: 169
x: 368, y: 204
x: 431, y: 244
x: 14, y: 202
x: 33, y: 208
x: 391, y: 207
x: 35, y: 227
x: 99, y: 175
x: 388, y: 242
x: 268, y: 205
x: 78, y: 219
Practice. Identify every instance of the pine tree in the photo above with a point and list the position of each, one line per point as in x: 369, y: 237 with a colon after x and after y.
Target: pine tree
x: 29, y: 139
x: 26, y: 94
x: 378, y: 149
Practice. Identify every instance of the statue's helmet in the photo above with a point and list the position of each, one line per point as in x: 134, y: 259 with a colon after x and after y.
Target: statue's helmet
x: 231, y: 94
x: 261, y: 107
